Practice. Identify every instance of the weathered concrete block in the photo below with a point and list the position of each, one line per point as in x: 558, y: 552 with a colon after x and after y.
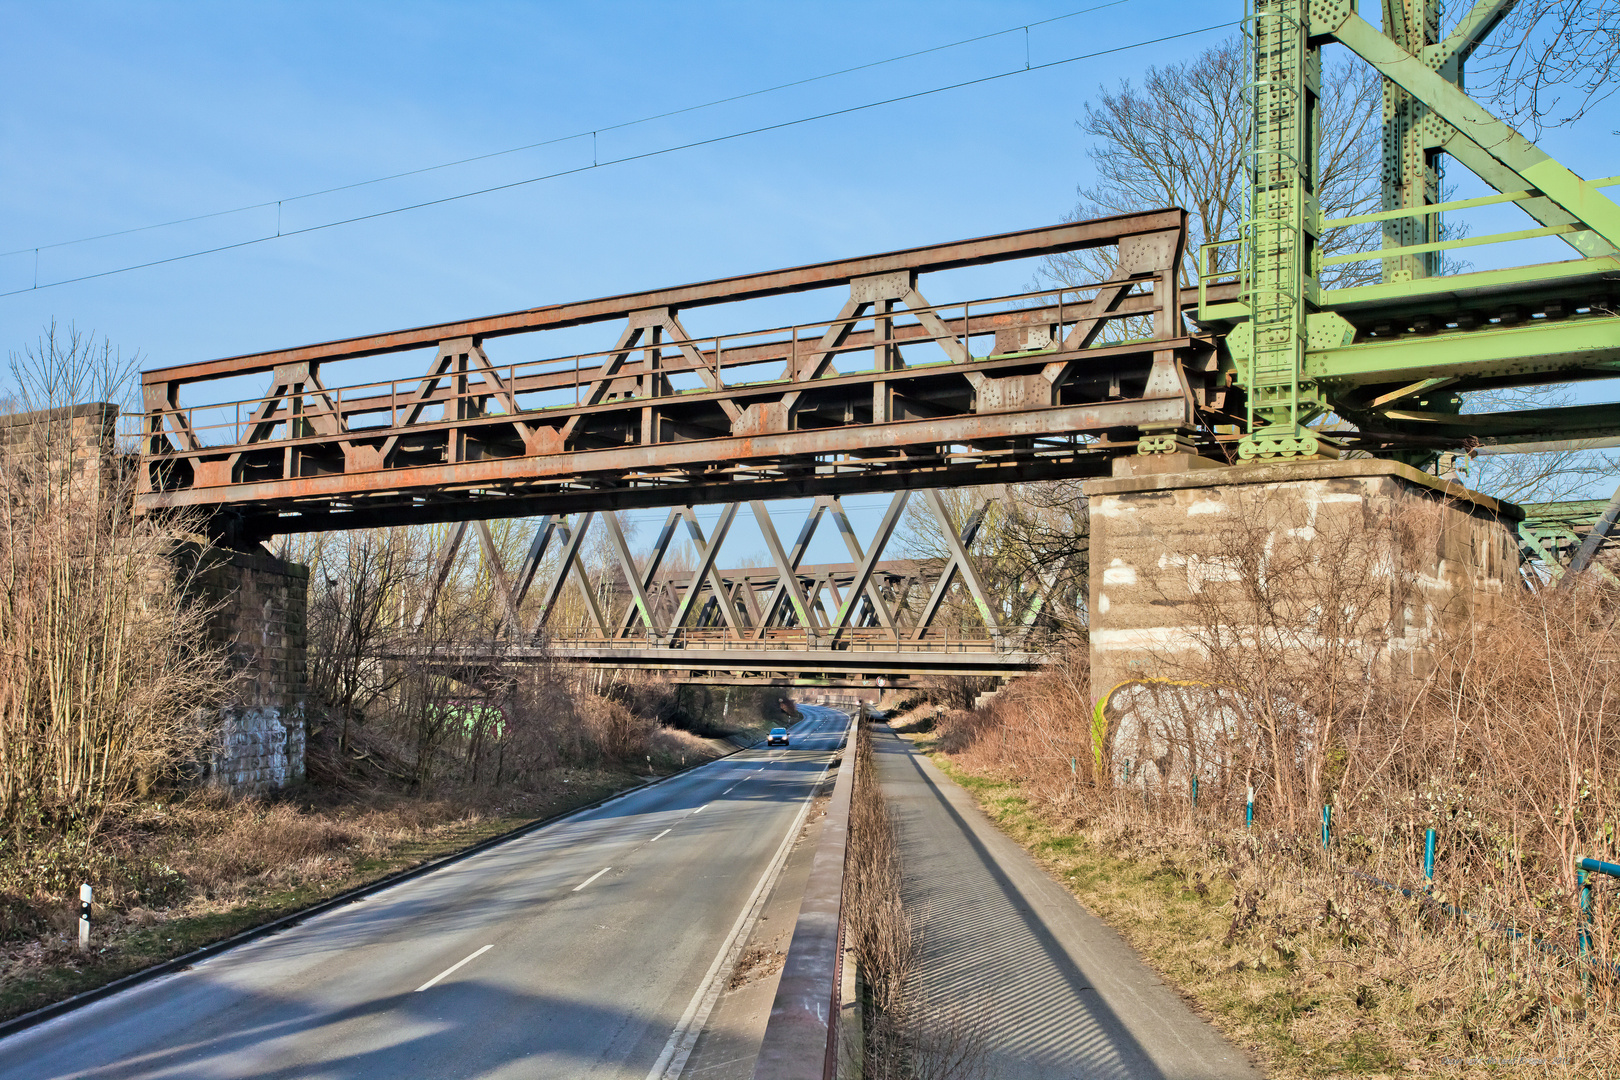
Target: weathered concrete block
x: 1436, y: 550
x: 262, y: 606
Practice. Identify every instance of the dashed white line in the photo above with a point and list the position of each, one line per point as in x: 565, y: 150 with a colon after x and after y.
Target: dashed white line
x: 594, y: 876
x: 672, y: 1061
x: 661, y: 835
x: 453, y: 967
x: 700, y: 809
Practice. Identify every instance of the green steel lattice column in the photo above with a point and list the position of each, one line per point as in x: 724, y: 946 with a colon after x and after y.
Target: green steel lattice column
x: 1282, y: 229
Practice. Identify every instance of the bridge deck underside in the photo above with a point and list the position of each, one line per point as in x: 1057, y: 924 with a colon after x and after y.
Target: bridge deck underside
x: 856, y: 663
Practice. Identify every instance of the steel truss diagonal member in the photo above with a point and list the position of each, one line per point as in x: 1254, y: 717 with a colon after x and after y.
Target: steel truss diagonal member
x: 705, y: 571
x: 571, y: 563
x: 441, y: 573
x: 632, y: 577
x: 1561, y: 187
x: 863, y: 578
x: 655, y: 559
x: 1594, y: 540
x: 497, y: 571
x: 958, y: 561
x: 787, y: 569
x: 874, y: 595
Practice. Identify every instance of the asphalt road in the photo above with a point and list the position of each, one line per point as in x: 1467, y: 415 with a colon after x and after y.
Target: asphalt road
x: 594, y: 947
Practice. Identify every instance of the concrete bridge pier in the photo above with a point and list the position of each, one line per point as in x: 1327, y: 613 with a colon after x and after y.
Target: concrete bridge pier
x: 1186, y: 552
x: 261, y: 608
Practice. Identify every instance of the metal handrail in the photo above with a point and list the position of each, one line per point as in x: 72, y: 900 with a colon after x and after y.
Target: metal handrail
x: 393, y: 395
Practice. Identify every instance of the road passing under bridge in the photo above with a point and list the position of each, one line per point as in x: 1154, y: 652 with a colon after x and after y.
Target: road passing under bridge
x: 592, y: 947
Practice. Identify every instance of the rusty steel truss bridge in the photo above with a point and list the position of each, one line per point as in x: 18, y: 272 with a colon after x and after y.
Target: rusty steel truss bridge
x: 905, y: 386
x: 788, y: 623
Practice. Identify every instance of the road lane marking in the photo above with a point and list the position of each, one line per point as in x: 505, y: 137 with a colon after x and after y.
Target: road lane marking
x: 672, y: 1060
x: 699, y: 810
x: 660, y: 836
x: 596, y: 875
x: 453, y: 967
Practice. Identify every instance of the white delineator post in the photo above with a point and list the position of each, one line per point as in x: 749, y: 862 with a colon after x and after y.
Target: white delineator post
x: 85, y: 897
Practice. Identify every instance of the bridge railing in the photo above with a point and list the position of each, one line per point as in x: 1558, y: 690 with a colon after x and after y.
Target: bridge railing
x: 795, y: 640
x: 1020, y: 384
x: 491, y: 394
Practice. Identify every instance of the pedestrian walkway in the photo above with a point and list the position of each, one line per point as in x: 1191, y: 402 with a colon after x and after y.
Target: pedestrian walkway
x: 1064, y: 996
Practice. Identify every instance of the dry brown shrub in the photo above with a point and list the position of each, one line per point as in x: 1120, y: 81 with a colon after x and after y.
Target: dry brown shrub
x: 1037, y: 730
x: 907, y: 1037
x: 1494, y: 726
x: 877, y: 926
x: 106, y: 670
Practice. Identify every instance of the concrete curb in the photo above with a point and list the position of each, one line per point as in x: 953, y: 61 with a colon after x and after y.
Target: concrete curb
x: 800, y: 1036
x: 204, y: 952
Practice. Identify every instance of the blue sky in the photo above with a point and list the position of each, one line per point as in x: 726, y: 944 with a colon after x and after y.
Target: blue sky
x: 123, y: 114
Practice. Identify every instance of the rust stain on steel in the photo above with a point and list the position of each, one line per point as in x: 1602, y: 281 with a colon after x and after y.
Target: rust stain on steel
x: 771, y: 389
x: 1071, y: 236
x: 1059, y: 420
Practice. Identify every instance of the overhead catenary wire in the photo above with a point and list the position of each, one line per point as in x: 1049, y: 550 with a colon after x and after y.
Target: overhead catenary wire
x: 626, y: 159
x: 557, y: 140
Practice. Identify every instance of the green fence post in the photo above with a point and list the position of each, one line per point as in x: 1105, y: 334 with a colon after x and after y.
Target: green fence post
x: 1585, y: 937
x: 1327, y: 825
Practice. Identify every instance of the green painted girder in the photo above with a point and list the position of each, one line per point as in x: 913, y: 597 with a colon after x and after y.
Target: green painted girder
x: 1500, y: 428
x: 1561, y: 187
x: 1582, y: 513
x: 1508, y: 284
x: 1548, y: 529
x: 1540, y: 346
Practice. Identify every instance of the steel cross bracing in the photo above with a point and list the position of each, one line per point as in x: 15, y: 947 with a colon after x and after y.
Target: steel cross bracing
x: 894, y: 390
x: 903, y: 387
x: 869, y: 617
x: 1394, y: 358
x: 1560, y: 536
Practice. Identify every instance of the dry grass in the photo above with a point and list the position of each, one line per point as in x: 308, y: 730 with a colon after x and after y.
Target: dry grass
x: 905, y: 1037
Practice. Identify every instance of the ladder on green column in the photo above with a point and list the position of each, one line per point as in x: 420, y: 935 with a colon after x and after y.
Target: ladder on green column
x: 1280, y: 233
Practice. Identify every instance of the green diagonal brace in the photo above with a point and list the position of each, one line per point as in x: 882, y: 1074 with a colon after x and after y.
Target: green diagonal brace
x: 1561, y: 187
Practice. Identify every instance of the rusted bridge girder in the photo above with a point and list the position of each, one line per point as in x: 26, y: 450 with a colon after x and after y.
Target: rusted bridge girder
x: 858, y: 620
x: 1026, y: 386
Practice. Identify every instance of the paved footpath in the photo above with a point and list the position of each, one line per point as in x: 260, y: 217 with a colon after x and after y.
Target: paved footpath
x: 1066, y: 997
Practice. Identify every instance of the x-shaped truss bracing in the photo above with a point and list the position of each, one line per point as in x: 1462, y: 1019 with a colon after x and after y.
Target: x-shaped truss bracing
x: 630, y: 606
x: 895, y: 390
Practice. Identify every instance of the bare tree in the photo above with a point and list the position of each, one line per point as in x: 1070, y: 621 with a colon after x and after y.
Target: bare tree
x: 1551, y: 61
x: 363, y: 584
x: 1181, y: 140
x: 106, y: 669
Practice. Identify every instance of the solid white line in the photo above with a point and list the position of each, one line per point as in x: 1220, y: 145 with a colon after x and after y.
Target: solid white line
x: 453, y: 967
x: 685, y: 1036
x: 661, y: 835
x: 594, y: 876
